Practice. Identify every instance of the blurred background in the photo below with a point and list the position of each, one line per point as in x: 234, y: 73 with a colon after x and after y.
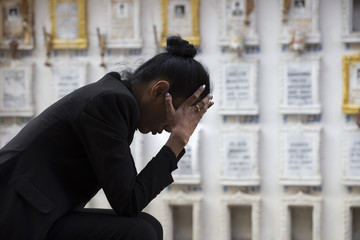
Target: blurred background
x: 277, y: 157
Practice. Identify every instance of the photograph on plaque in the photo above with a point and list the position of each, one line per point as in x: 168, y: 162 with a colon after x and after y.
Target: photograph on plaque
x: 299, y: 21
x: 16, y: 90
x: 180, y: 17
x: 238, y: 88
x: 299, y: 86
x: 188, y: 171
x: 301, y: 217
x: 123, y: 24
x: 352, y: 218
x: 300, y: 155
x: 351, y: 156
x: 239, y: 163
x: 16, y: 24
x: 182, y: 216
x: 350, y: 21
x: 351, y: 84
x: 238, y: 23
x: 240, y: 216
x: 67, y: 76
x: 68, y: 24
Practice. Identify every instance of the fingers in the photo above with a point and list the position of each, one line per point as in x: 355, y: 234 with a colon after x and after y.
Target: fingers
x: 170, y: 110
x: 193, y: 98
x: 206, y: 102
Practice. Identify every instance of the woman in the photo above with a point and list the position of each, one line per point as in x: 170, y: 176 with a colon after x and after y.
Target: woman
x: 80, y: 144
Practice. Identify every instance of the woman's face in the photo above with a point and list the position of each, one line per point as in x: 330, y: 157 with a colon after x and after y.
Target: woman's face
x: 153, y: 117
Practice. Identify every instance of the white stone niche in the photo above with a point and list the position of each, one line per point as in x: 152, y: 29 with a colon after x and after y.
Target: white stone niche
x: 299, y: 85
x: 350, y: 21
x: 301, y: 217
x: 239, y: 163
x: 188, y: 171
x: 299, y: 15
x: 181, y: 216
x: 238, y: 20
x: 238, y: 87
x: 240, y: 216
x: 300, y: 155
x: 123, y: 18
x: 351, y: 156
x: 352, y: 218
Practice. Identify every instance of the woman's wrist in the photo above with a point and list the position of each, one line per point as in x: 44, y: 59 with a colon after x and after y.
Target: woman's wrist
x: 176, y: 143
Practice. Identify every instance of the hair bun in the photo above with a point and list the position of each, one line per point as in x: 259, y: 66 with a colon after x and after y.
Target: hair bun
x: 180, y: 47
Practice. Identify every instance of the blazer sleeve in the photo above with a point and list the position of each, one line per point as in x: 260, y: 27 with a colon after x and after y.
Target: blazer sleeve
x: 104, y: 127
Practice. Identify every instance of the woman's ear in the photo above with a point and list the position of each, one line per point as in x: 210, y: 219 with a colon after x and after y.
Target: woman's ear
x: 159, y: 89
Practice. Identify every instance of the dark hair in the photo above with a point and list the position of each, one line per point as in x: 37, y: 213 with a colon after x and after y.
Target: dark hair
x: 177, y: 66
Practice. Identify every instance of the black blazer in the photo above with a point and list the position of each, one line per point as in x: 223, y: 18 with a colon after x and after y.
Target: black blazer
x: 61, y: 159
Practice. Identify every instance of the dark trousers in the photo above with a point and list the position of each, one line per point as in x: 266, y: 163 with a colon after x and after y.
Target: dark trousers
x: 104, y: 224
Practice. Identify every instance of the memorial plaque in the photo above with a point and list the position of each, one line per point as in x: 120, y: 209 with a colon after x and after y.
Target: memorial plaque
x: 351, y: 83
x: 68, y: 77
x: 180, y: 17
x: 238, y: 87
x: 239, y: 158
x: 188, y: 167
x: 301, y: 157
x: 353, y: 167
x: 68, y: 24
x: 239, y: 161
x: 185, y: 165
x: 299, y: 85
x: 354, y: 84
x: 351, y: 156
x: 16, y: 90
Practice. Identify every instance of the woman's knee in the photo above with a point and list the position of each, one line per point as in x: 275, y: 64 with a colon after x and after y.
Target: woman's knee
x: 154, y: 224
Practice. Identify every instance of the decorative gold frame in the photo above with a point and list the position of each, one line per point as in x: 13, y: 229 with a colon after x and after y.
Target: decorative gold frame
x: 348, y: 108
x: 195, y: 38
x: 25, y: 12
x: 82, y: 40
